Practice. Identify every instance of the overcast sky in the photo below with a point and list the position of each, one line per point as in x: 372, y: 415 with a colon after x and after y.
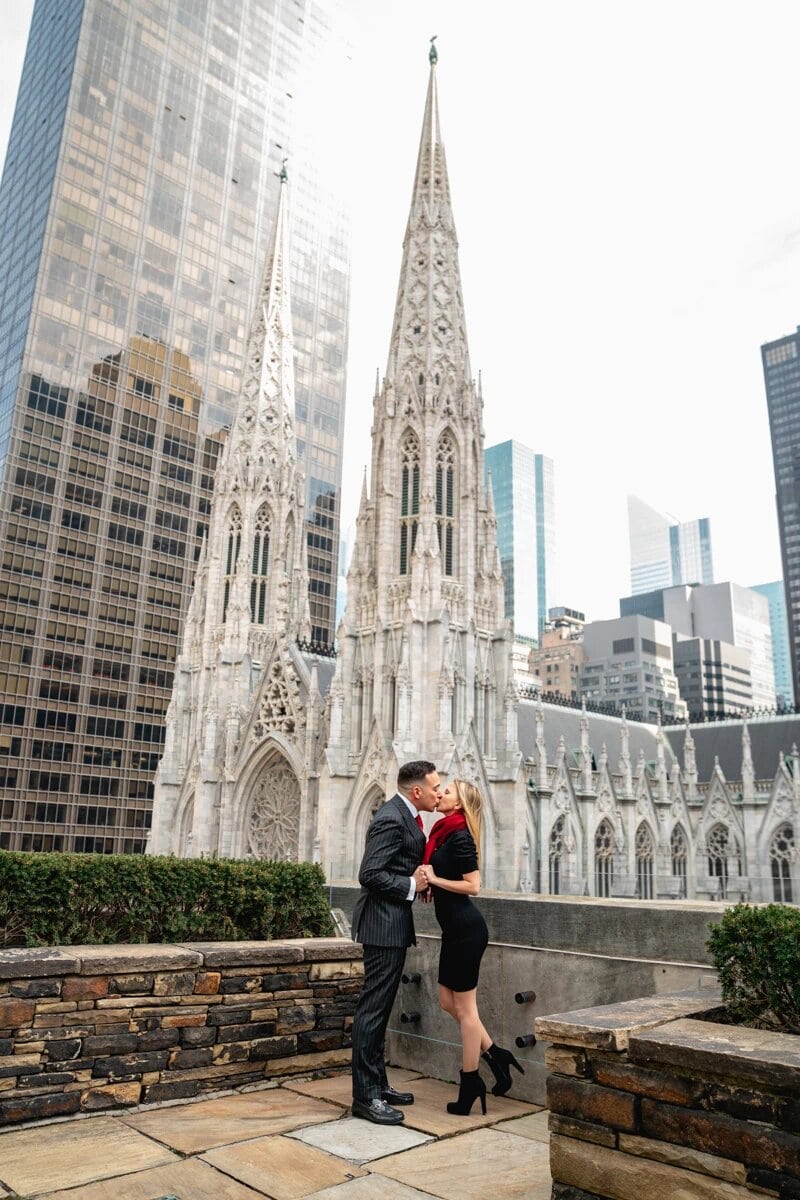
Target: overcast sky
x: 626, y: 188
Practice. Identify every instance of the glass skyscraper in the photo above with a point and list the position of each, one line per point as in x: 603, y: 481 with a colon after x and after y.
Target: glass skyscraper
x: 135, y: 207
x: 524, y: 498
x: 781, y: 654
x: 666, y: 553
x: 781, y: 364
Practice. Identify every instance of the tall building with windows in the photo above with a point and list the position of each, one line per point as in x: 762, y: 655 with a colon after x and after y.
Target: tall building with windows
x: 781, y: 654
x: 524, y: 499
x: 781, y: 363
x: 664, y: 552
x: 136, y: 206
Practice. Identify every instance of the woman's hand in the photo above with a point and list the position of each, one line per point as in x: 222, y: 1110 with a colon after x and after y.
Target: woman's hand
x: 430, y: 875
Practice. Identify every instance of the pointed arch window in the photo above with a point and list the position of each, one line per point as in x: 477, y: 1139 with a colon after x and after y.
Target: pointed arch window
x: 555, y: 855
x: 258, y: 583
x: 645, y: 855
x: 446, y: 499
x: 409, y: 498
x: 679, y: 852
x: 723, y: 851
x: 603, y: 859
x: 781, y: 855
x: 232, y: 548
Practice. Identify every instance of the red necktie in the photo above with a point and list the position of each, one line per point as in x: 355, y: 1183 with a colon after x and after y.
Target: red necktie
x: 418, y: 819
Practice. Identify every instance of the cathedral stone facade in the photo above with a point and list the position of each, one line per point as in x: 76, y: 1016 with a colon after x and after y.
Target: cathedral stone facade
x: 274, y: 751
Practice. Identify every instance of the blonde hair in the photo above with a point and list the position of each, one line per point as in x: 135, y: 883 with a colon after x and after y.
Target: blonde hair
x: 472, y: 805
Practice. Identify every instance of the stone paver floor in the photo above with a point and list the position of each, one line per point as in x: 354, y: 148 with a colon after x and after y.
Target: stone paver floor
x: 284, y: 1143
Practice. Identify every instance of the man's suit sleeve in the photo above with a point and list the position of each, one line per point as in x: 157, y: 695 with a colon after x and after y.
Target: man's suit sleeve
x: 380, y: 849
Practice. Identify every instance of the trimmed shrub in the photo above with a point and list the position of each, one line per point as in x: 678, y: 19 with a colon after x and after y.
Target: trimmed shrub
x: 74, y: 899
x: 757, y: 955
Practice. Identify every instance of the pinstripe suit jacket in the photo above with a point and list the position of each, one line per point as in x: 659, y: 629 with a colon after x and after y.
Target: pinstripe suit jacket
x: 395, y: 843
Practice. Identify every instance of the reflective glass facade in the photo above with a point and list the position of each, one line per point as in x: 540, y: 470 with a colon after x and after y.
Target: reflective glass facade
x: 523, y: 489
x: 666, y: 553
x: 781, y: 363
x: 135, y: 209
x: 781, y: 655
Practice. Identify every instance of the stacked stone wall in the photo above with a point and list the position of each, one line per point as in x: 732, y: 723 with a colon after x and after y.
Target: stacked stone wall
x: 88, y: 1028
x: 687, y: 1108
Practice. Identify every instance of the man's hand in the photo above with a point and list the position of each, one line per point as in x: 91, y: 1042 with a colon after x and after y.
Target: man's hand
x: 420, y: 879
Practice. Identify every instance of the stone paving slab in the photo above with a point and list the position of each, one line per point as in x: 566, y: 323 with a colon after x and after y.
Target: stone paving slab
x: 372, y: 1187
x: 66, y: 1155
x: 483, y: 1163
x: 189, y: 1180
x: 359, y: 1141
x: 429, y: 1113
x: 290, y: 1170
x: 534, y: 1126
x: 191, y: 1128
x: 339, y: 1088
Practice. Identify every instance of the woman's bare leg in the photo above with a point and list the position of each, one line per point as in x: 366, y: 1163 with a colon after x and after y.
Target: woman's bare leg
x: 474, y: 1037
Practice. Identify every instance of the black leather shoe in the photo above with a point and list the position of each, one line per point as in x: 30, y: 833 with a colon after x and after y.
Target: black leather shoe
x: 377, y: 1111
x: 394, y: 1097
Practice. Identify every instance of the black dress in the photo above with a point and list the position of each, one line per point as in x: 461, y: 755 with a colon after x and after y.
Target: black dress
x: 464, y: 932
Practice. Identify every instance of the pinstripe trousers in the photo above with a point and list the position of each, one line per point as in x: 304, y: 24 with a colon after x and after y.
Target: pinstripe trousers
x: 383, y: 966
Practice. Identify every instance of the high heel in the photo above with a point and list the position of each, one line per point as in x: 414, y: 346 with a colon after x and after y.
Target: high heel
x: 500, y: 1061
x: 471, y: 1088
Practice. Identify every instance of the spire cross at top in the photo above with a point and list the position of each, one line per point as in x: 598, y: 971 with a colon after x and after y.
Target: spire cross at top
x: 433, y: 54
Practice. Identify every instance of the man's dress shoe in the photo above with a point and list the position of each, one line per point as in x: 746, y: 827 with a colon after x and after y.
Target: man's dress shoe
x: 378, y: 1111
x: 391, y: 1096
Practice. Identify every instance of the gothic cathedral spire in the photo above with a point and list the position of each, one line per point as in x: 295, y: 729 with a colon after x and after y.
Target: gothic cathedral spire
x: 240, y: 665
x: 424, y: 650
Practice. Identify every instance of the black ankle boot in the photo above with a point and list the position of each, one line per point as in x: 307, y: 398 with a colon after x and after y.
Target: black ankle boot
x: 501, y: 1061
x: 470, y: 1089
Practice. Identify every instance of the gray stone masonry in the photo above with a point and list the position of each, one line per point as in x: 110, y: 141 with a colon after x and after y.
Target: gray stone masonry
x: 89, y: 1028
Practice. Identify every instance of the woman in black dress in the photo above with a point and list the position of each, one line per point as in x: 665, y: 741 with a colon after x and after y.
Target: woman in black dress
x: 451, y: 868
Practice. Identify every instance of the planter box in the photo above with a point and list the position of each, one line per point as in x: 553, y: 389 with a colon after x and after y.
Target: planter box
x: 648, y: 1099
x: 91, y: 1028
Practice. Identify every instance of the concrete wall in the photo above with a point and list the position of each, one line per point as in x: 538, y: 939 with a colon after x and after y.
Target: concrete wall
x: 574, y: 952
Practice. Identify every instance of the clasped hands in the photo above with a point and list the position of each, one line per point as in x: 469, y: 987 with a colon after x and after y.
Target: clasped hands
x: 424, y: 876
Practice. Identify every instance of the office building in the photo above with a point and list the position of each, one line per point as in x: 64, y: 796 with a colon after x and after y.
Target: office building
x: 781, y: 652
x: 522, y: 484
x: 726, y: 612
x: 713, y: 677
x: 665, y: 552
x: 629, y: 661
x: 781, y: 364
x: 558, y: 658
x: 723, y: 613
x: 136, y: 206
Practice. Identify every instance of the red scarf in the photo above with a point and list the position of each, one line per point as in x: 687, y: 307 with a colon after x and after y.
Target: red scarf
x: 442, y: 830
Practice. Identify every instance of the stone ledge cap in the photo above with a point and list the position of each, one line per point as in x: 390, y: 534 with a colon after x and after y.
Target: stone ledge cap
x: 34, y: 962
x: 749, y: 1056
x: 135, y: 956
x: 610, y: 1026
x: 330, y: 949
x: 241, y: 954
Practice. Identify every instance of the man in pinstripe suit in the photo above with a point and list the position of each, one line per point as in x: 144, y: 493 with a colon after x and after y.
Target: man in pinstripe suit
x: 382, y: 920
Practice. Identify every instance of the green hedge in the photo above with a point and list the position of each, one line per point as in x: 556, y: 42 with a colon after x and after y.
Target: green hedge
x: 757, y: 955
x: 74, y: 899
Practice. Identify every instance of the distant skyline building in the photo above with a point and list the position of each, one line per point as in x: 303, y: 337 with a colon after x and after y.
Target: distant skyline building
x: 781, y: 651
x: 781, y: 364
x: 136, y: 205
x: 629, y: 660
x: 524, y: 499
x: 665, y: 552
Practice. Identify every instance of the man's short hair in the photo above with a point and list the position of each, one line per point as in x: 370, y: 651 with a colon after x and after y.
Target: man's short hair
x: 412, y: 773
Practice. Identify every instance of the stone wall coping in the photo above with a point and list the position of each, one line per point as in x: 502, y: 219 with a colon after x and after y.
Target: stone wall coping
x: 37, y: 962
x: 750, y: 1056
x: 610, y: 1026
